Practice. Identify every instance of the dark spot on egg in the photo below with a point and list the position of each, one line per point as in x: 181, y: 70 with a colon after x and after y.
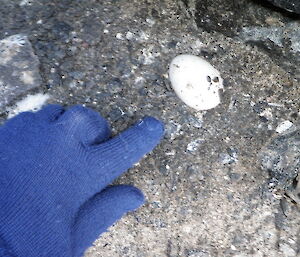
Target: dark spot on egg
x: 216, y: 79
x: 189, y: 86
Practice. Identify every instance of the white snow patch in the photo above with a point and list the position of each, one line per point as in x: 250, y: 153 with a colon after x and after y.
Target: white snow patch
x: 29, y: 103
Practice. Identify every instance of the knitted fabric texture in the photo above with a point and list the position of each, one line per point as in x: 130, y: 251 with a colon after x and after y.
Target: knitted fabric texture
x: 55, y: 168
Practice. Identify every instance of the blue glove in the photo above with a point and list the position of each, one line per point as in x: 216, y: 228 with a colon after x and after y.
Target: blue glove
x: 55, y: 166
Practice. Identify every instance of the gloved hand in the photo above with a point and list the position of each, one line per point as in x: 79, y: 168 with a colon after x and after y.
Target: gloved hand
x: 55, y: 166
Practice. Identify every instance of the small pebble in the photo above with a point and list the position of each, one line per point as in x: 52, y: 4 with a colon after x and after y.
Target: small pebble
x: 284, y: 126
x: 119, y: 36
x: 129, y: 35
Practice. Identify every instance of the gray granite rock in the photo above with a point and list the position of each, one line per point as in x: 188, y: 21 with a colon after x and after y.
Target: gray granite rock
x: 19, y: 68
x: 281, y: 159
x: 289, y: 5
x: 273, y: 32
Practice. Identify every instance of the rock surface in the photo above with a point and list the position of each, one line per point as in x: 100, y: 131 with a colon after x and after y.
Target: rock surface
x: 281, y: 158
x: 207, y: 194
x: 19, y: 68
x: 289, y: 5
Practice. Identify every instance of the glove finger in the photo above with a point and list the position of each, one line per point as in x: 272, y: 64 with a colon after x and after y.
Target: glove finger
x: 123, y: 151
x: 51, y: 112
x: 101, y: 211
x: 87, y: 125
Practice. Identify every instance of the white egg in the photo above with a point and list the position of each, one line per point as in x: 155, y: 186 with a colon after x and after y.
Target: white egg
x: 195, y: 81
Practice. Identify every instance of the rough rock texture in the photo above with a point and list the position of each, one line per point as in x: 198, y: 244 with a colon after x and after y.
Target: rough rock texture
x: 289, y: 5
x: 275, y: 34
x: 281, y: 158
x: 207, y: 194
x: 19, y: 68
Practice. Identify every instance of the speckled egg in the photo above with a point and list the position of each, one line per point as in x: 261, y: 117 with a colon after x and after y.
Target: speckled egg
x: 196, y: 82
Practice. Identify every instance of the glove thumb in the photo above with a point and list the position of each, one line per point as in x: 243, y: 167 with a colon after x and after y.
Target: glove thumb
x: 101, y: 211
